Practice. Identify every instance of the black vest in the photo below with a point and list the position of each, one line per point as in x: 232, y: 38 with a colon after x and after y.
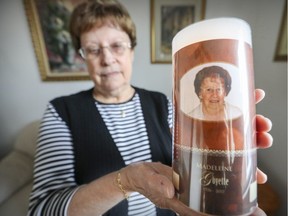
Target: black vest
x: 94, y: 147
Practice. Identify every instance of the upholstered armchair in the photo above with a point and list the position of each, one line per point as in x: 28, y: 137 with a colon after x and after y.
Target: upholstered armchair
x: 16, y: 173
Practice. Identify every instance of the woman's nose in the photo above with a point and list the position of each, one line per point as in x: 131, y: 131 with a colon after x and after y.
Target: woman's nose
x: 107, y: 56
x: 215, y: 93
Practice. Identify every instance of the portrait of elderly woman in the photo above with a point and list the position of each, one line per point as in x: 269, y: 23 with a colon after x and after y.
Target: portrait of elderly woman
x: 212, y: 84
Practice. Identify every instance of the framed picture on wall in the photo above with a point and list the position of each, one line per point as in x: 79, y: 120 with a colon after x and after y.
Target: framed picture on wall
x: 281, y: 49
x: 167, y: 18
x: 56, y: 57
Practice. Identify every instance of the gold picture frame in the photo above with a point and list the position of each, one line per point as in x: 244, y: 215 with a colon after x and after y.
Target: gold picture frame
x: 281, y: 48
x: 48, y: 23
x: 167, y: 18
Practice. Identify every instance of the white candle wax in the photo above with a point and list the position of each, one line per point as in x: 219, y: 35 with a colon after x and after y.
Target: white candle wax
x: 212, y: 29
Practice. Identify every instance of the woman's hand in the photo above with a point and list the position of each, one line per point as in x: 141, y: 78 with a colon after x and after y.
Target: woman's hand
x: 264, y: 139
x: 154, y: 181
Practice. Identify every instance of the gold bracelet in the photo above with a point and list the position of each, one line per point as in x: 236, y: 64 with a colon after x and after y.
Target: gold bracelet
x: 118, y: 179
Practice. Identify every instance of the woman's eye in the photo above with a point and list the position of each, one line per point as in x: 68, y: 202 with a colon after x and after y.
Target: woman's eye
x: 116, y: 46
x: 94, y: 51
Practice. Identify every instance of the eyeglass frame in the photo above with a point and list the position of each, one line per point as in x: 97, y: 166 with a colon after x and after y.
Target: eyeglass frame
x: 100, y: 49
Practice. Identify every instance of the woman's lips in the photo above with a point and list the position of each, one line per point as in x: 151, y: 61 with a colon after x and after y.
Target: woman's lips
x: 214, y: 101
x: 109, y: 74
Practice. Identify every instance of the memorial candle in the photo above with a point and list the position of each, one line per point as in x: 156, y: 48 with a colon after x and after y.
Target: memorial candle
x: 214, y: 161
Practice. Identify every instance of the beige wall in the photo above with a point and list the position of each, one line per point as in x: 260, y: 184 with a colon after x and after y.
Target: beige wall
x: 23, y: 96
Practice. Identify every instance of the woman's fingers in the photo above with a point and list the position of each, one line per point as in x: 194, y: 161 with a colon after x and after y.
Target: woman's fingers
x: 264, y: 140
x: 259, y: 95
x: 261, y: 177
x: 263, y: 125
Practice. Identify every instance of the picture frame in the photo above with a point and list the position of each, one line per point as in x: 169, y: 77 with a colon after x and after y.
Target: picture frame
x: 281, y: 47
x: 167, y: 18
x: 56, y: 57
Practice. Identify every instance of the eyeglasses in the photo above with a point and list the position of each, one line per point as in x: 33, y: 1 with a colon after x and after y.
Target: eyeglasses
x: 210, y: 90
x: 94, y: 52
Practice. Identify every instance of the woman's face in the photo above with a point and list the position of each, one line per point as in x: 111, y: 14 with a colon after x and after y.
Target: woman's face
x: 212, y: 93
x: 110, y: 70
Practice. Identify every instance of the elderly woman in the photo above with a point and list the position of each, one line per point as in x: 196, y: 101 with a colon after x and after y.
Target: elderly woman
x: 212, y: 84
x: 99, y: 150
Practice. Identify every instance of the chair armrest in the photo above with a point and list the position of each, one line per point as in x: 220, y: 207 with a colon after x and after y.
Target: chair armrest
x: 16, y: 170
